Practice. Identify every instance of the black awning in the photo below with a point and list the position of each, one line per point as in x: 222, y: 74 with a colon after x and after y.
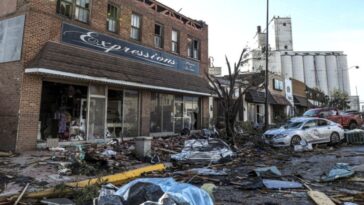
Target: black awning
x: 302, y: 101
x: 258, y: 97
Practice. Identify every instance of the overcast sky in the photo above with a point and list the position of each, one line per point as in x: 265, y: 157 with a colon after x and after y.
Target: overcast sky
x: 326, y: 25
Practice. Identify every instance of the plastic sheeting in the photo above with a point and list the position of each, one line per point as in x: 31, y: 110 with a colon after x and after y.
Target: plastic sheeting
x: 341, y: 170
x: 179, y: 193
x: 210, y: 150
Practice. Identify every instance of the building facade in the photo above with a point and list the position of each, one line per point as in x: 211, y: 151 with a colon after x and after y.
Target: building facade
x: 91, y: 70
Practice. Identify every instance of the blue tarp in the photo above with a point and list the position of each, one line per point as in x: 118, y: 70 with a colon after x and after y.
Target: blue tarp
x: 180, y: 192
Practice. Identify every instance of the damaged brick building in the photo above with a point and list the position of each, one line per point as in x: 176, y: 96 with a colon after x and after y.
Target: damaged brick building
x: 87, y: 70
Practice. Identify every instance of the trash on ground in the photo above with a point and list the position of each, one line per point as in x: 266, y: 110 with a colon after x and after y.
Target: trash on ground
x: 57, y: 201
x: 303, y: 146
x: 267, y: 171
x: 320, y: 198
x: 204, y: 151
x: 203, y: 172
x: 341, y: 170
x: 278, y: 184
x: 209, y: 188
x: 161, y: 190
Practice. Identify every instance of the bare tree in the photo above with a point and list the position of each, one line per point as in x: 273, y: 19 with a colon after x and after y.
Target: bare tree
x: 231, y: 94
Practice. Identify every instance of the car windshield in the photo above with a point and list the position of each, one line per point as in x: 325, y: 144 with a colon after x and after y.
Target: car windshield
x: 310, y: 113
x: 293, y: 125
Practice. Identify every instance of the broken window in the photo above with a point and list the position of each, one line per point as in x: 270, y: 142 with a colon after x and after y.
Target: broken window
x: 175, y: 41
x: 193, y: 48
x: 63, y: 112
x: 77, y: 9
x: 112, y: 18
x: 158, y: 36
x: 135, y: 27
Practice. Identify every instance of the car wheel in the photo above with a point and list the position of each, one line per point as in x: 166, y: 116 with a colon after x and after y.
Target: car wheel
x: 335, y: 138
x: 295, y: 140
x: 352, y: 125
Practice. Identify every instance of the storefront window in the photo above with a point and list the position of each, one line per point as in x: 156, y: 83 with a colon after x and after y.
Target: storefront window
x: 171, y: 113
x: 97, y: 115
x: 155, y: 113
x: 114, y: 113
x: 178, y: 115
x: 131, y: 113
x: 96, y: 118
x: 191, y: 112
x: 167, y: 113
x: 63, y: 112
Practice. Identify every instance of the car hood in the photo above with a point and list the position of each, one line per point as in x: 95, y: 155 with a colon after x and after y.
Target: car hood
x: 279, y: 131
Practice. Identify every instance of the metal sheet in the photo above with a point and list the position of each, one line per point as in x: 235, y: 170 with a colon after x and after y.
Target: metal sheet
x: 287, y: 66
x: 309, y: 70
x: 11, y: 38
x: 298, y: 72
x: 343, y: 74
x: 332, y: 75
x: 321, y: 75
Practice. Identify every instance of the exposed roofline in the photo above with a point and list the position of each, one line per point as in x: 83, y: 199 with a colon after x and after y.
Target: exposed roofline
x: 163, y: 9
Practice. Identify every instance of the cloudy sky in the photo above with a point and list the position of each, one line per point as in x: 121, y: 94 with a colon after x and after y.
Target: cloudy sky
x: 326, y: 25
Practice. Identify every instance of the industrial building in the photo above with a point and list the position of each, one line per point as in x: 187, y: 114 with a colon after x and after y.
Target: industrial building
x: 325, y: 70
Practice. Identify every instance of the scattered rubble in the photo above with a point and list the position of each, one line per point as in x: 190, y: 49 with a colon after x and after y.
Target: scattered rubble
x: 253, y: 173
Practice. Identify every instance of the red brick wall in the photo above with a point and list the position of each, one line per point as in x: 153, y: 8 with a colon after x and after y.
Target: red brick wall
x: 44, y: 24
x: 10, y: 77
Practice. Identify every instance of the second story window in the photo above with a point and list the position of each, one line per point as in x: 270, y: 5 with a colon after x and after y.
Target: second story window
x: 158, y: 36
x: 82, y: 10
x: 193, y: 48
x: 135, y: 27
x: 65, y: 8
x: 77, y: 9
x: 112, y: 18
x: 175, y: 41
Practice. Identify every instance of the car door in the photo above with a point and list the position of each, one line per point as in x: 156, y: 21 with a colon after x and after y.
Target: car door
x: 311, y: 131
x: 324, y: 130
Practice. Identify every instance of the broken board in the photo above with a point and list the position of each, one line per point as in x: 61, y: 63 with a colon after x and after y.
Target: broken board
x: 320, y: 198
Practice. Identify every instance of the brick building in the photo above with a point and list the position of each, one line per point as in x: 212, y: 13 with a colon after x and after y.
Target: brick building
x: 89, y: 70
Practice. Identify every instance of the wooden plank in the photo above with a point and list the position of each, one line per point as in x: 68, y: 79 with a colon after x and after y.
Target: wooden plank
x: 320, y: 198
x: 115, y: 179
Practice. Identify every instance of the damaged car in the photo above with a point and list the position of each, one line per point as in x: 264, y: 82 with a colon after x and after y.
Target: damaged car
x: 311, y: 130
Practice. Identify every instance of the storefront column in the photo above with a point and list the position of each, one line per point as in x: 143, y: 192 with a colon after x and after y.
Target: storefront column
x: 145, y: 113
x: 31, y: 91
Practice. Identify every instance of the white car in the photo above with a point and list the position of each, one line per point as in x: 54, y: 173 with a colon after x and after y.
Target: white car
x: 313, y: 130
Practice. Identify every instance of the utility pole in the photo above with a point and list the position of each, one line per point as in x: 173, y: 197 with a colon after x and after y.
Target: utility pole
x: 266, y: 110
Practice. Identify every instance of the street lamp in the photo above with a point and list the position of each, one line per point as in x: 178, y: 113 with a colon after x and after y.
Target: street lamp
x: 342, y: 76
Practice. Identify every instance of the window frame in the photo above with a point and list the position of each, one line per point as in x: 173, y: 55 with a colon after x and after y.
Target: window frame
x: 117, y: 17
x: 133, y: 27
x: 175, y: 42
x: 73, y: 9
x: 278, y: 84
x: 191, y: 48
x: 161, y: 36
x: 82, y: 8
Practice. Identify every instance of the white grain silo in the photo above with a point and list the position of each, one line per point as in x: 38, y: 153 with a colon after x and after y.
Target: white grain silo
x: 298, y: 73
x: 321, y: 75
x: 342, y: 68
x: 287, y: 66
x: 332, y: 76
x: 309, y: 70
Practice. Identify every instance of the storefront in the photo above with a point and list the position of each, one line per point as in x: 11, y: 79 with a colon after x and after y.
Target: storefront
x: 91, y: 99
